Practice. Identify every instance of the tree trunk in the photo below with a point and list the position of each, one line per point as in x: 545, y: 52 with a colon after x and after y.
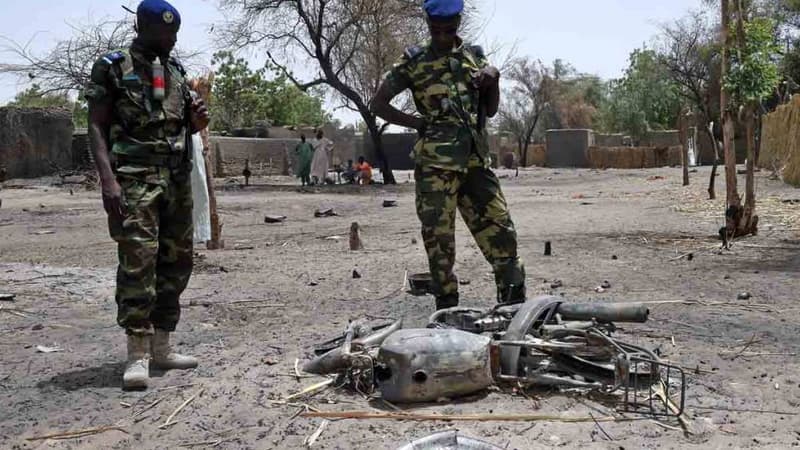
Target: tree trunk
x: 712, y: 182
x: 377, y: 144
x: 683, y: 131
x: 524, y: 161
x: 749, y: 222
x: 733, y: 212
x: 759, y: 124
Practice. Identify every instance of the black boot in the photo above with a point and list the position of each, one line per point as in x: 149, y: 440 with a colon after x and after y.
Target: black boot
x: 446, y: 301
x: 511, y: 295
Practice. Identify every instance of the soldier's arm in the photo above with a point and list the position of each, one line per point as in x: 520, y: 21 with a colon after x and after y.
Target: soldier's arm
x: 100, y: 114
x: 382, y: 107
x: 491, y: 91
x: 98, y: 95
x: 395, y: 82
x: 488, y: 83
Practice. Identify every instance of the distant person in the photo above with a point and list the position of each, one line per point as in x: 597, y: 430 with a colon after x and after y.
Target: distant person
x: 454, y: 90
x: 305, y: 153
x: 323, y: 149
x: 350, y: 173
x: 141, y: 118
x: 364, y: 170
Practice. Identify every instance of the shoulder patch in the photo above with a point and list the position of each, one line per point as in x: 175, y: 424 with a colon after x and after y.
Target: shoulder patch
x: 114, y: 57
x: 477, y: 50
x: 413, y: 51
x: 175, y: 62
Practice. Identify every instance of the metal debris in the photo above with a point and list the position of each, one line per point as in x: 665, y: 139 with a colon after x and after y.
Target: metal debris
x: 449, y: 440
x: 544, y: 342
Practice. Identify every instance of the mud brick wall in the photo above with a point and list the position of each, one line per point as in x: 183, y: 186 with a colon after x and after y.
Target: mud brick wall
x: 609, y: 140
x: 780, y: 145
x: 568, y: 148
x: 667, y: 138
x: 33, y: 142
x: 397, y: 147
x: 634, y: 157
x: 269, y: 156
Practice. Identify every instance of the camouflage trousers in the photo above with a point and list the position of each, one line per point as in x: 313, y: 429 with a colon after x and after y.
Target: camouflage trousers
x: 155, y: 247
x: 477, y: 195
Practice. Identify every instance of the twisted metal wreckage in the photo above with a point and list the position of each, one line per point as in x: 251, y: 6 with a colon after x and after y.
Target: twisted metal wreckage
x: 543, y: 342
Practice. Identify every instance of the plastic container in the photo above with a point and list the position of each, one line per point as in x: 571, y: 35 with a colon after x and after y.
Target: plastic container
x: 159, y: 84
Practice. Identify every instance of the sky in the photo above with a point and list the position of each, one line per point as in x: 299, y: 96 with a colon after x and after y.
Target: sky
x: 595, y: 36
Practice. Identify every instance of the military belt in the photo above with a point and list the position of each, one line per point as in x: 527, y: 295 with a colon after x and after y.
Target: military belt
x: 171, y: 161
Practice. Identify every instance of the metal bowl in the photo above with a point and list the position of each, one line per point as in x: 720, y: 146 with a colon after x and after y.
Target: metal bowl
x: 420, y: 283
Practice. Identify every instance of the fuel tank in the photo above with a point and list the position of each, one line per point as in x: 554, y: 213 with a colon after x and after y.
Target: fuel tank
x: 424, y: 365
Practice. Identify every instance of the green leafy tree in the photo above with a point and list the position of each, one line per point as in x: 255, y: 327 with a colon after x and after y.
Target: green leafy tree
x: 575, y: 99
x: 753, y: 73
x: 242, y: 96
x: 645, y: 98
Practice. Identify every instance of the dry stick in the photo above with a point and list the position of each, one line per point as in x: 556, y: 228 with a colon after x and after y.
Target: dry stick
x: 169, y: 388
x: 149, y: 407
x: 292, y: 375
x: 204, y: 443
x: 756, y: 355
x: 313, y: 438
x: 669, y: 427
x: 600, y: 427
x: 458, y: 417
x: 742, y: 350
x: 13, y: 311
x: 180, y: 408
x: 294, y: 405
x: 681, y: 256
x: 390, y: 405
x: 239, y: 302
x: 311, y: 389
x: 758, y: 411
x: 275, y: 305
x: 661, y: 393
x: 77, y: 434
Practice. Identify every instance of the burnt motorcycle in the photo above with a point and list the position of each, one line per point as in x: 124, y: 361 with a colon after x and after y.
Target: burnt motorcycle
x: 542, y: 342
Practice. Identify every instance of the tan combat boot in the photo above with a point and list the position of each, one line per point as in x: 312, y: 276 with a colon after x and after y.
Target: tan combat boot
x: 163, y: 356
x: 137, y: 369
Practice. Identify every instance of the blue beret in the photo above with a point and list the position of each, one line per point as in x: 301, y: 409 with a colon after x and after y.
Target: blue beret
x: 155, y: 12
x: 443, y: 9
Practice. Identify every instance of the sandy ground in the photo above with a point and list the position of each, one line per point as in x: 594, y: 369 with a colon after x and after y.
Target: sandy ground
x: 627, y: 227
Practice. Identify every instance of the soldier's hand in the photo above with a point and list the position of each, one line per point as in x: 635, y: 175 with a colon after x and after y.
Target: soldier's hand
x: 420, y: 125
x: 113, y: 202
x: 487, y: 77
x: 199, y: 117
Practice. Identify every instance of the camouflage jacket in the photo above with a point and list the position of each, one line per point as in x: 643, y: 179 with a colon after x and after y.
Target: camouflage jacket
x: 444, y: 95
x: 143, y: 130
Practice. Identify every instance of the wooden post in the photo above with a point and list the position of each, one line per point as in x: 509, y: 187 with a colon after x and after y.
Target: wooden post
x: 683, y: 132
x: 203, y: 88
x: 216, y: 242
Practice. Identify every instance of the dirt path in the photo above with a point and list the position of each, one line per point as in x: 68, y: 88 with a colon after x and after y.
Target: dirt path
x: 627, y: 227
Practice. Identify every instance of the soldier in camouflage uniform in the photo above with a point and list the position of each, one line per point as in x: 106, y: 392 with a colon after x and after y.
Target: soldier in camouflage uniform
x: 454, y: 90
x: 140, y: 137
